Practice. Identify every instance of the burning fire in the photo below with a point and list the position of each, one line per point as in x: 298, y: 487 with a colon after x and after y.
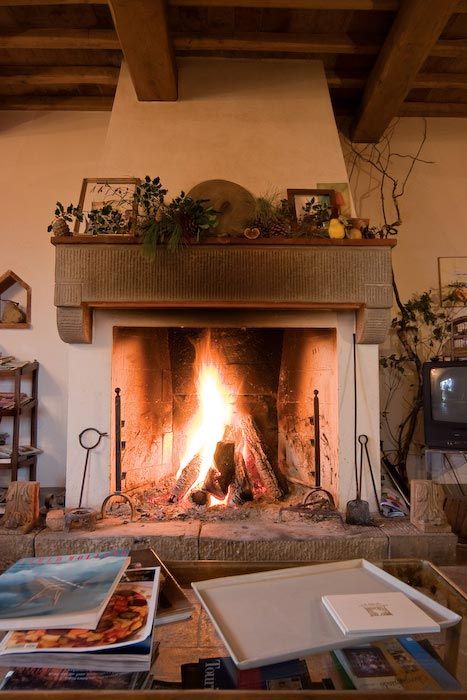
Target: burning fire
x: 214, y: 413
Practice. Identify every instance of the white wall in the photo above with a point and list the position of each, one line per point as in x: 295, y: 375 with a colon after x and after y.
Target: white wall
x: 44, y: 157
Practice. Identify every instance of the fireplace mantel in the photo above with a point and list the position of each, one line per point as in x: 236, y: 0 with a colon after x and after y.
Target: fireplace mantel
x: 316, y: 275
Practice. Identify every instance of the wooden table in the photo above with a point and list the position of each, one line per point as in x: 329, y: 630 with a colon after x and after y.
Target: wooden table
x: 187, y: 641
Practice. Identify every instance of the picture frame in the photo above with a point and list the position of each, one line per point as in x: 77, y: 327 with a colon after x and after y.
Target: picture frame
x: 452, y: 273
x: 120, y: 193
x: 298, y: 198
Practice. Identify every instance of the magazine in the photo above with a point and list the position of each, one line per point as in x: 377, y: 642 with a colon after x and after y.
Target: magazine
x: 57, y: 592
x: 123, y: 636
x: 378, y: 613
x: 71, y: 679
x: 173, y: 605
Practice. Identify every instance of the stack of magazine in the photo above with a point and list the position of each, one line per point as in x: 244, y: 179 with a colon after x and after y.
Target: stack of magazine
x: 88, y: 615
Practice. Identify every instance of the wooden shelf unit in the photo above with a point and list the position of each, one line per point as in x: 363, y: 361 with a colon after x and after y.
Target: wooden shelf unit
x: 29, y: 409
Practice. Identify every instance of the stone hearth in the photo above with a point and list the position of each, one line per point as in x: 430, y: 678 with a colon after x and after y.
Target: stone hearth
x: 240, y: 541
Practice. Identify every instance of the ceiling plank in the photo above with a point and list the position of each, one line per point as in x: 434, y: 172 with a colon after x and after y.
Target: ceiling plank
x: 433, y: 109
x: 25, y: 3
x: 437, y: 81
x: 450, y: 48
x: 46, y: 76
x: 95, y: 39
x: 415, y: 30
x: 144, y: 34
x: 83, y: 104
x: 283, y: 42
x: 294, y: 4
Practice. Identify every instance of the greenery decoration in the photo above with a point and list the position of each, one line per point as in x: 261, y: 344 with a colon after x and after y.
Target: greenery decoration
x: 150, y: 194
x: 68, y: 214
x: 418, y: 334
x: 271, y: 216
x: 178, y: 223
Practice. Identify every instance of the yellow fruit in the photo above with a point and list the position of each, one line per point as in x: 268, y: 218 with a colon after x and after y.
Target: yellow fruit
x: 336, y: 229
x: 355, y: 233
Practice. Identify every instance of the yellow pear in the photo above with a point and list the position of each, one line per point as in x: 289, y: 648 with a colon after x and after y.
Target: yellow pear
x: 355, y: 232
x: 336, y: 229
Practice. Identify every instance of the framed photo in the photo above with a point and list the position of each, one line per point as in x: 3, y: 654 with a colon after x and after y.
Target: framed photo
x: 109, y: 205
x: 301, y: 200
x: 342, y: 195
x: 453, y: 281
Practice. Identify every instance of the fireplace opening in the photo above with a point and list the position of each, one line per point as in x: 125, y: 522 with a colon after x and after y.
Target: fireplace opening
x: 223, y: 419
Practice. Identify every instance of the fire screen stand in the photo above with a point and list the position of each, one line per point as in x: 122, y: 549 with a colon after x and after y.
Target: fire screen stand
x: 118, y: 464
x: 317, y: 499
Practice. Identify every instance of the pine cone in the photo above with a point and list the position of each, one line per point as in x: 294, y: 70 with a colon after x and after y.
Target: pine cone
x: 60, y: 227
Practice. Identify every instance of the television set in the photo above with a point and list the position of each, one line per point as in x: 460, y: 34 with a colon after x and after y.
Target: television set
x: 445, y: 404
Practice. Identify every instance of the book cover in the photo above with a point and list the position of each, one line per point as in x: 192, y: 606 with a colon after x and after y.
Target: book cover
x: 69, y: 679
x: 378, y: 613
x: 221, y: 673
x: 430, y: 664
x: 368, y: 668
x: 57, y: 592
x: 127, y: 619
x: 173, y: 605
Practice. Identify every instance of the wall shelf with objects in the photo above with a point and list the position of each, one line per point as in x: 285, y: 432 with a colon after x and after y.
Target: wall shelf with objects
x: 14, y: 313
x: 16, y: 405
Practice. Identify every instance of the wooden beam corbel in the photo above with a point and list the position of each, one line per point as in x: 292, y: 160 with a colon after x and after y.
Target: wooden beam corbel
x: 143, y: 30
x: 416, y: 28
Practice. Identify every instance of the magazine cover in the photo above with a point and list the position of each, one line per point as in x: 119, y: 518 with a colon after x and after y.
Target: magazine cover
x: 68, y: 679
x: 58, y: 591
x: 127, y: 619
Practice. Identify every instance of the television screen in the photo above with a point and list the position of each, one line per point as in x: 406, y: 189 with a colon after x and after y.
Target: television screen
x: 449, y: 394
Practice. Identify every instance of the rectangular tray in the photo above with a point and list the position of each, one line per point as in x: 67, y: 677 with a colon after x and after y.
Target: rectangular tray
x: 275, y: 616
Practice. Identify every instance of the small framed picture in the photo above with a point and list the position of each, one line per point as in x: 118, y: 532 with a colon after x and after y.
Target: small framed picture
x: 311, y: 208
x: 453, y: 281
x: 109, y: 206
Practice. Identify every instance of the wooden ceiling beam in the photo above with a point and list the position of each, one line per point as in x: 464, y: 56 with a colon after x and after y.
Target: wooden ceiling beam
x: 294, y: 4
x: 270, y: 42
x: 57, y: 76
x: 143, y: 30
x: 414, y: 32
x: 433, y: 109
x: 93, y: 39
x: 33, y: 102
x: 440, y: 81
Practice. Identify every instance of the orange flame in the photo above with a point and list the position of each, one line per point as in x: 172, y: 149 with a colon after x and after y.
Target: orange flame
x: 214, y: 412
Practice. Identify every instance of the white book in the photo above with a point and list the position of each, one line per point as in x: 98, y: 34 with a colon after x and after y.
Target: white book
x: 363, y: 614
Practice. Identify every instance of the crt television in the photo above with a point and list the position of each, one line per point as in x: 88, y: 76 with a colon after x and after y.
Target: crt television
x: 445, y: 404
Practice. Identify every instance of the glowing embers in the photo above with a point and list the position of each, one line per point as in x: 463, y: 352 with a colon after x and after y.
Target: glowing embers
x: 225, y: 460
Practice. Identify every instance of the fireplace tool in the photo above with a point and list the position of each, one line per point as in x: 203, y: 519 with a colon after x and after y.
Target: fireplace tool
x: 89, y: 439
x: 317, y: 498
x: 358, y: 510
x: 118, y: 462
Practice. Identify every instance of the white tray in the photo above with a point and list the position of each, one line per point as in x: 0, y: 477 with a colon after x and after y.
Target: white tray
x: 275, y: 616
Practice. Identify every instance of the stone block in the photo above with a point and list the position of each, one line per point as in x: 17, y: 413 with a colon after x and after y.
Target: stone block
x: 406, y: 542
x: 15, y: 545
x: 171, y: 540
x: 325, y: 541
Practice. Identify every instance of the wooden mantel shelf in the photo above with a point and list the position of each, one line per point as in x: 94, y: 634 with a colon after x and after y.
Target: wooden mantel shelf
x: 308, y: 274
x: 258, y: 242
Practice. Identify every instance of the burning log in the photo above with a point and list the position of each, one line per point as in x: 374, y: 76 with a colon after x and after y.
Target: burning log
x: 241, y: 492
x: 186, y: 479
x: 256, y: 447
x: 224, y: 461
x: 199, y: 497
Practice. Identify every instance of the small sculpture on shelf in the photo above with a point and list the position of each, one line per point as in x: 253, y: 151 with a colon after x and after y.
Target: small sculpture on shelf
x: 427, y: 501
x: 22, y: 506
x: 12, y: 312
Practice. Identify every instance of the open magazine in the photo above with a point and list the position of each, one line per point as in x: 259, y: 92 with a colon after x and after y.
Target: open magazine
x: 123, y: 635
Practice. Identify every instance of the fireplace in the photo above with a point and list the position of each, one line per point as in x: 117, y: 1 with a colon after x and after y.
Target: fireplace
x: 225, y: 417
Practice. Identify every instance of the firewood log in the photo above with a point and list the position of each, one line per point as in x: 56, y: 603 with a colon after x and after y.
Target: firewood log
x: 256, y: 446
x: 241, y: 491
x: 186, y: 479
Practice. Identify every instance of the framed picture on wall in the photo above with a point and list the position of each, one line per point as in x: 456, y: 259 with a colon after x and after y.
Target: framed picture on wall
x: 109, y: 205
x: 302, y: 202
x: 453, y: 281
